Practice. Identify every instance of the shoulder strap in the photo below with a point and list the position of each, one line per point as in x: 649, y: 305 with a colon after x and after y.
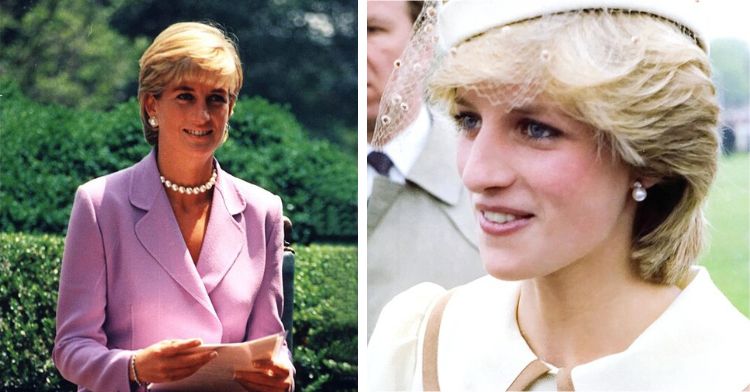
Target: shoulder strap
x: 430, y: 346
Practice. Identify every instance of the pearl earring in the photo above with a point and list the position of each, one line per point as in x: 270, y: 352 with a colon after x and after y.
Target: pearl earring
x: 639, y: 192
x: 153, y: 122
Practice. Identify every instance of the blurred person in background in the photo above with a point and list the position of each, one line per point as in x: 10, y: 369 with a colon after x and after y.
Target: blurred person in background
x: 172, y: 252
x: 419, y: 223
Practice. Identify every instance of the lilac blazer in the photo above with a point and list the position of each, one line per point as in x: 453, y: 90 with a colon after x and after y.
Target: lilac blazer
x: 128, y: 280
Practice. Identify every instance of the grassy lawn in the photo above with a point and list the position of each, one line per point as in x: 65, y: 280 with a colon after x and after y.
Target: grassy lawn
x: 728, y: 254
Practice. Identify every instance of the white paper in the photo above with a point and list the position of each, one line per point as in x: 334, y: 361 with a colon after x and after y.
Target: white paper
x: 217, y: 375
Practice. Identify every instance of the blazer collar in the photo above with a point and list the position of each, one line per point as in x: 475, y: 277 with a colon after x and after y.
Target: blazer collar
x: 435, y: 170
x: 145, y: 186
x: 159, y: 233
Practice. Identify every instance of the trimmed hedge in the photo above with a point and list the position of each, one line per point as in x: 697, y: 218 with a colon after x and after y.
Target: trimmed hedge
x: 47, y: 151
x: 29, y: 272
x: 325, y: 312
x: 325, y: 318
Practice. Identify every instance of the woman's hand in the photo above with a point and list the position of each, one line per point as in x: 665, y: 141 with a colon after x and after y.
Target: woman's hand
x: 170, y: 360
x: 268, y: 375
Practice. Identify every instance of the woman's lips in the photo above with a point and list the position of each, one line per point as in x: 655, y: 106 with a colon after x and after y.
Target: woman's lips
x: 197, y: 133
x: 499, y: 223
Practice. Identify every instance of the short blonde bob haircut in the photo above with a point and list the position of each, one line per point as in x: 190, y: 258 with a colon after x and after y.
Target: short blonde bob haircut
x: 644, y: 84
x: 187, y: 51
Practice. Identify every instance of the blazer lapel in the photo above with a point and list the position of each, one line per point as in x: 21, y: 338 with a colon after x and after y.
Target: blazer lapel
x: 384, y: 193
x: 159, y: 233
x: 225, y: 234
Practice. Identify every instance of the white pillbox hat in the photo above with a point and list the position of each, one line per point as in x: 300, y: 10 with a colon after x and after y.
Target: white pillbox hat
x: 463, y: 19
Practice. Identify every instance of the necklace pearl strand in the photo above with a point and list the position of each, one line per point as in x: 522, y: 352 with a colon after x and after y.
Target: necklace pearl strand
x: 187, y: 190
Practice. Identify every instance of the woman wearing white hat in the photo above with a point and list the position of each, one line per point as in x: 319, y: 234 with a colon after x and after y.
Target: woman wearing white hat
x: 587, y: 138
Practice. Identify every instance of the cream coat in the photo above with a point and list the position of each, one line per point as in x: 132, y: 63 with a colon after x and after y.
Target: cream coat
x: 700, y: 343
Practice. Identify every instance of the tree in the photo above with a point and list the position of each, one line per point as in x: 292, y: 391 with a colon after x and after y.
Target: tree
x: 84, y: 53
x: 65, y: 52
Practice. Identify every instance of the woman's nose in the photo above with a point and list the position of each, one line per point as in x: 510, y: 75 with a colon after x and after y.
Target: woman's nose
x: 200, y: 113
x: 485, y: 163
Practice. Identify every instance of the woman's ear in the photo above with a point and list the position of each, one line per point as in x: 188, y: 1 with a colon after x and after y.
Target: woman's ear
x: 648, y: 181
x: 149, y: 104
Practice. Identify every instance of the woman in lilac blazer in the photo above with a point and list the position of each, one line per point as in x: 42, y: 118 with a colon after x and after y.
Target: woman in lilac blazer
x: 172, y: 252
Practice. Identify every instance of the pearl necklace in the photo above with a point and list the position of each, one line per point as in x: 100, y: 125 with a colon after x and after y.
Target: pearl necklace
x: 187, y: 190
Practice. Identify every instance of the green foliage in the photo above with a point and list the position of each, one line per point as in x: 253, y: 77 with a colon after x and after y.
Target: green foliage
x: 84, y: 54
x: 29, y: 271
x: 317, y: 182
x: 300, y: 52
x: 49, y: 150
x: 325, y: 326
x: 325, y: 318
x: 731, y: 61
x: 88, y: 71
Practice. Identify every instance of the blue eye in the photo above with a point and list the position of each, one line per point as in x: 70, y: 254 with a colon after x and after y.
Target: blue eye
x: 538, y: 131
x: 185, y: 97
x: 468, y: 122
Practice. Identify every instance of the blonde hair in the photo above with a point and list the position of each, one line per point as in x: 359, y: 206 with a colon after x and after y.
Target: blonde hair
x: 644, y: 84
x: 187, y: 50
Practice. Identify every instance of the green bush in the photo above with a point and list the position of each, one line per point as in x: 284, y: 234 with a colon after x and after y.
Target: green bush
x: 29, y: 272
x: 317, y: 183
x: 48, y: 150
x: 325, y: 318
x: 325, y: 311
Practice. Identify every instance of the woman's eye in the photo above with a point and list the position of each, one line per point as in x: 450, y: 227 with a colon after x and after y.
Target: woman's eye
x: 185, y: 97
x: 217, y: 99
x: 538, y: 131
x: 468, y: 122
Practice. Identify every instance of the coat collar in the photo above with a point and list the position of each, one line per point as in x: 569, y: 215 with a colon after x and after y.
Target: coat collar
x: 700, y: 342
x: 159, y: 233
x: 435, y: 170
x: 697, y: 344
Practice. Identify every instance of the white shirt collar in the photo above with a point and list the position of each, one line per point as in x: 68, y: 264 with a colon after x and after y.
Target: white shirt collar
x: 404, y: 149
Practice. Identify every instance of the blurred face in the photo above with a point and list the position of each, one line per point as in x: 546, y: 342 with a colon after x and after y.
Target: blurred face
x: 192, y: 116
x: 388, y: 31
x: 544, y: 198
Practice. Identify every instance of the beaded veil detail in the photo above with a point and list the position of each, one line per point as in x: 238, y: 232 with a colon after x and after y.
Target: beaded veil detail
x: 511, y: 81
x: 403, y: 93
